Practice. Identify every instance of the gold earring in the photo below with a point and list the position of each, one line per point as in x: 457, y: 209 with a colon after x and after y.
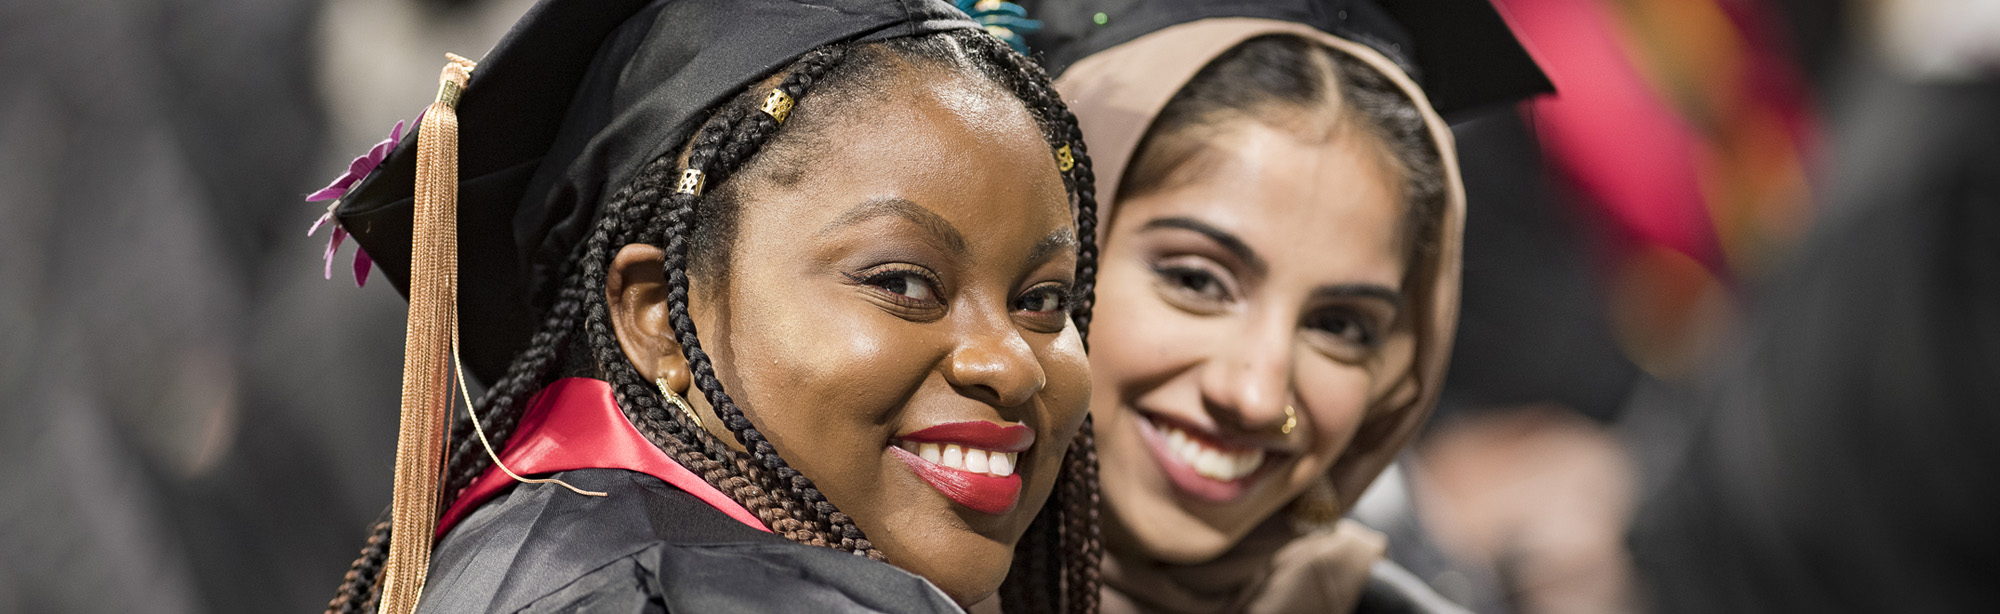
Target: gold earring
x: 677, y: 401
x: 1291, y: 420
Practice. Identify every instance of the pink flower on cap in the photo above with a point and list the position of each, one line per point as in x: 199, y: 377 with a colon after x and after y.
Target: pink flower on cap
x: 357, y: 169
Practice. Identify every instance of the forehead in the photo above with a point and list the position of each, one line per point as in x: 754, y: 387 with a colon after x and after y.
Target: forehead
x: 1324, y: 206
x: 959, y: 147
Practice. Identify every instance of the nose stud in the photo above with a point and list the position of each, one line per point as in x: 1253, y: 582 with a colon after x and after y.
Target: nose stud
x: 1291, y: 420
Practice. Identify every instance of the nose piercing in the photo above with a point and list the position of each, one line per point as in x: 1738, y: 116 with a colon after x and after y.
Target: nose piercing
x: 1291, y: 420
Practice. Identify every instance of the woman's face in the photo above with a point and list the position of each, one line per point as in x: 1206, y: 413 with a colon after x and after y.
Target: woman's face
x: 894, y: 318
x: 1271, y: 278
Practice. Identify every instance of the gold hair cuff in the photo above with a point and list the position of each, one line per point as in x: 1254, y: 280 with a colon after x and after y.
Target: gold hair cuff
x: 778, y: 105
x: 1064, y: 161
x: 690, y: 183
x: 676, y: 401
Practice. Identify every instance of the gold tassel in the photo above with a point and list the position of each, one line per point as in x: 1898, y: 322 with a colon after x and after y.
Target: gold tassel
x: 427, y: 347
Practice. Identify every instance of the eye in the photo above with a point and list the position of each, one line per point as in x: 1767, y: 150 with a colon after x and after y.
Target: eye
x: 1348, y: 327
x: 1193, y: 283
x: 905, y: 285
x: 1194, y: 280
x: 908, y: 284
x: 1043, y: 308
x: 1044, y: 299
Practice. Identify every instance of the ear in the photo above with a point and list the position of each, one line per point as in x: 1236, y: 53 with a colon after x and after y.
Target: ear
x: 635, y: 290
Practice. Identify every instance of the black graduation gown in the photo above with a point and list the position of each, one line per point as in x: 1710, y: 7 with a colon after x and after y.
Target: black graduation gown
x: 647, y: 547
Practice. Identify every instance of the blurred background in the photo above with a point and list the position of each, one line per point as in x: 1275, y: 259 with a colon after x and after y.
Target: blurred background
x: 1730, y: 341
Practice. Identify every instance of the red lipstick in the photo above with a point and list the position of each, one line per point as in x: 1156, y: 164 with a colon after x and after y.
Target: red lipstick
x: 969, y: 449
x: 977, y: 434
x: 977, y: 491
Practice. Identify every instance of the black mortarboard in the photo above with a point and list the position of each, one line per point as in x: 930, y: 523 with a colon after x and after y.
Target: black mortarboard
x: 1460, y: 51
x: 565, y: 109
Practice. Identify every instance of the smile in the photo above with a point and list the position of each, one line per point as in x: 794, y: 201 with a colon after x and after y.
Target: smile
x: 1198, y: 463
x: 972, y: 463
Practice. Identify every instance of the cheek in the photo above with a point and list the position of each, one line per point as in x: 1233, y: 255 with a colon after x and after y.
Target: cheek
x: 1062, y: 404
x: 1336, y: 397
x: 1067, y: 367
x: 816, y: 338
x: 1138, y: 340
x: 820, y: 374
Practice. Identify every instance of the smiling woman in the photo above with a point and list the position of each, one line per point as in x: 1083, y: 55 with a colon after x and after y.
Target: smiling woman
x: 1282, y: 260
x: 865, y: 236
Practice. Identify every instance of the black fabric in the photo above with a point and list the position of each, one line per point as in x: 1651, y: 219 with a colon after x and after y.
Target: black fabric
x: 1843, y: 459
x: 647, y: 547
x: 566, y: 108
x: 1394, y: 590
x: 1532, y: 326
x: 1460, y: 51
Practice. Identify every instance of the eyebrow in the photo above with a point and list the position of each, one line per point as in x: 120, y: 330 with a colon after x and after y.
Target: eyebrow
x: 1362, y: 290
x: 1061, y: 240
x: 1229, y: 242
x: 933, y: 224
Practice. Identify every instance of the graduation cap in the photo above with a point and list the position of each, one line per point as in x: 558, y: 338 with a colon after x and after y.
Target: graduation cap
x: 565, y: 109
x: 476, y: 217
x: 1460, y: 51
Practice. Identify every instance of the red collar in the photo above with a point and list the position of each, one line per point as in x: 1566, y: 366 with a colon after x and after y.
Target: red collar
x: 575, y: 424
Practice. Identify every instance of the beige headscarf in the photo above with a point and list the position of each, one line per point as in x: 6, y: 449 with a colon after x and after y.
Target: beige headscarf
x: 1116, y: 94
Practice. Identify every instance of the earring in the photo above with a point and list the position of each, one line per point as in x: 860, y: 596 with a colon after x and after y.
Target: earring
x: 676, y: 400
x: 1317, y: 509
x: 1291, y: 420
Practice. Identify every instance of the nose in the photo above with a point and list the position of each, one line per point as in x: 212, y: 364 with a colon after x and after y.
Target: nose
x: 1247, y: 381
x: 993, y: 364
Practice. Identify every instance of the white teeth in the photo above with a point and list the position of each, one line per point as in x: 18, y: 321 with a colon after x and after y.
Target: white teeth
x: 972, y: 460
x: 1002, y: 464
x: 1208, y: 462
x: 1215, y: 463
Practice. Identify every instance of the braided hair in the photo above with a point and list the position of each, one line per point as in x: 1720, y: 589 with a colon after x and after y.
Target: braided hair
x: 1055, y: 566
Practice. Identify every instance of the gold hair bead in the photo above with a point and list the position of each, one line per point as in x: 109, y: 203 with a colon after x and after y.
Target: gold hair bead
x: 778, y: 105
x: 690, y: 183
x: 1064, y: 161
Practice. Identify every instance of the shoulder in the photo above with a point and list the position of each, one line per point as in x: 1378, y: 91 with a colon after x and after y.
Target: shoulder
x: 536, y: 539
x: 646, y: 547
x: 1324, y: 570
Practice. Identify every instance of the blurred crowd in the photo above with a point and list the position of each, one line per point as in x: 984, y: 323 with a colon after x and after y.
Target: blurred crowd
x: 1730, y: 337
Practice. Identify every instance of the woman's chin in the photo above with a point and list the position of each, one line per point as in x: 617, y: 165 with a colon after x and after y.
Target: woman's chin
x: 1164, y: 510
x: 1156, y: 528
x: 966, y: 552
x: 968, y: 568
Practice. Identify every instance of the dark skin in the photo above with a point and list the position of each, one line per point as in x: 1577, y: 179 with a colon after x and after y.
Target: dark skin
x: 915, y: 274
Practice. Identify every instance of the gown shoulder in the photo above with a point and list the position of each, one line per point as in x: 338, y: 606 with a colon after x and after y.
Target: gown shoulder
x: 648, y: 547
